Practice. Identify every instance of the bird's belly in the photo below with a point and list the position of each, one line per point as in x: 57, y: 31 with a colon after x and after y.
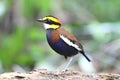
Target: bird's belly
x: 62, y: 48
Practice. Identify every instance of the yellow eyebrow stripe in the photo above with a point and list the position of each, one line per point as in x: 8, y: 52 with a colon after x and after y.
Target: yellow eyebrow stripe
x: 53, y: 19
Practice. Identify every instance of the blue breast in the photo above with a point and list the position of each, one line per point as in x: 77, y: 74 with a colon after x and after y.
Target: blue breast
x: 60, y: 46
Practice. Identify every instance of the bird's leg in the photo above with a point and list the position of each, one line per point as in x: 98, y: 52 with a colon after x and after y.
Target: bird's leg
x: 65, y: 65
x: 68, y: 63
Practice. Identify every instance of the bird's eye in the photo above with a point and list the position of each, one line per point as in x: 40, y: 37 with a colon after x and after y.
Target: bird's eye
x: 48, y: 20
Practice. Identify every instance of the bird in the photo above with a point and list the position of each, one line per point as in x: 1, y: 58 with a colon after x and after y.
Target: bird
x: 60, y: 40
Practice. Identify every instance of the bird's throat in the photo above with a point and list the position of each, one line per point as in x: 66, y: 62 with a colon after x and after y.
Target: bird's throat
x: 50, y: 26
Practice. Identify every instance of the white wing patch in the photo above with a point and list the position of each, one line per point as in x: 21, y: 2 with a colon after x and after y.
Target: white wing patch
x: 66, y: 40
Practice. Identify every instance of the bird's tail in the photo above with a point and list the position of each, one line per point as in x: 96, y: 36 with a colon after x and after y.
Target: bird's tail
x: 84, y: 54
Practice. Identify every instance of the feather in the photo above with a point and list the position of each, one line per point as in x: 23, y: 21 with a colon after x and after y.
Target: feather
x: 69, y: 39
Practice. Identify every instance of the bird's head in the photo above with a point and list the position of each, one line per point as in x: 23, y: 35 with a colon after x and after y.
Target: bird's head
x: 50, y: 22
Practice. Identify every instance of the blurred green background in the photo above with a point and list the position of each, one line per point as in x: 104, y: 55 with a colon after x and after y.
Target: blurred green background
x: 23, y: 45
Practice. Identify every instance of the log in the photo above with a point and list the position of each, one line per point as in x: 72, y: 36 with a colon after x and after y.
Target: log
x: 43, y: 74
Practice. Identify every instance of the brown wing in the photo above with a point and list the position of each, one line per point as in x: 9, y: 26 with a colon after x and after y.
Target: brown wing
x: 70, y: 36
x: 67, y: 34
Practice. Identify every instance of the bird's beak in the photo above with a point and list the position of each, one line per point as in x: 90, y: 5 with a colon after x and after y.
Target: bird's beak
x: 40, y: 20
